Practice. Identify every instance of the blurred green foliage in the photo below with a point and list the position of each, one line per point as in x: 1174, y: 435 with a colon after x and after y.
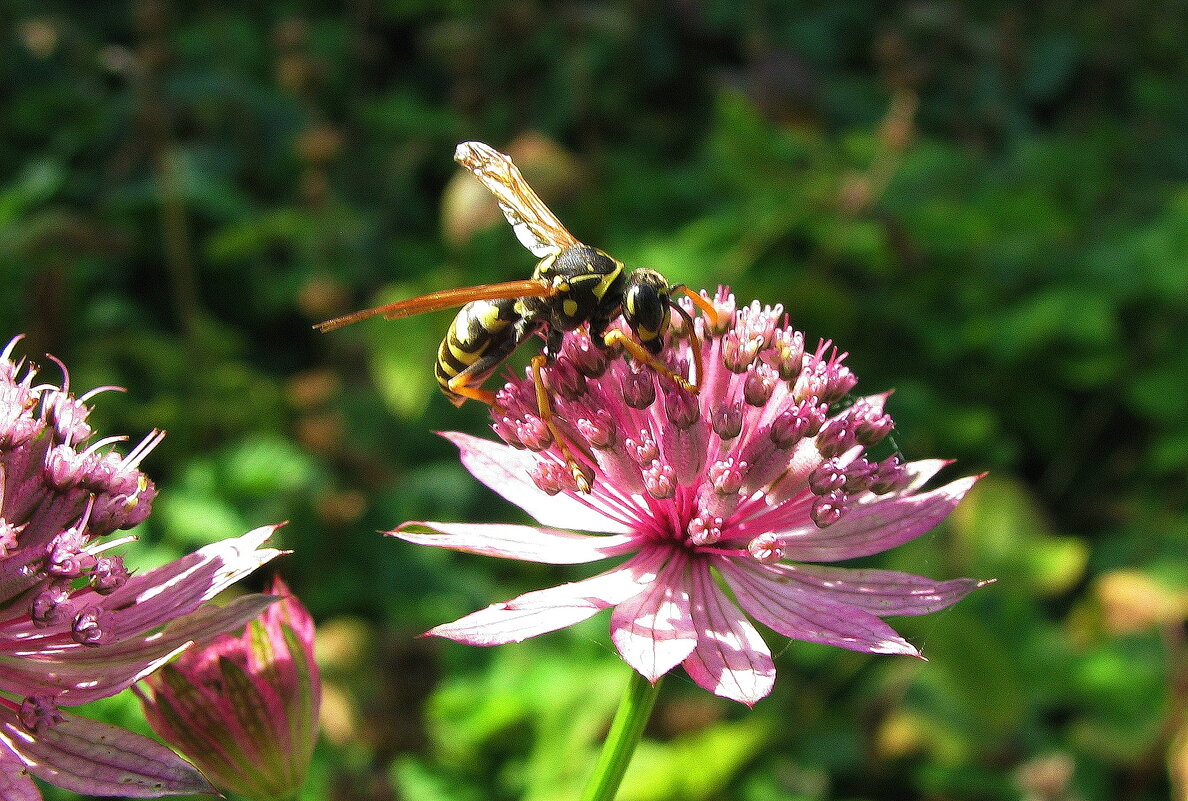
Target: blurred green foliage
x: 985, y: 204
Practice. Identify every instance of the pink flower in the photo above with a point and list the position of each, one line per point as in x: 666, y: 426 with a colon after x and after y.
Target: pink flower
x: 75, y: 624
x: 244, y: 708
x: 765, y: 464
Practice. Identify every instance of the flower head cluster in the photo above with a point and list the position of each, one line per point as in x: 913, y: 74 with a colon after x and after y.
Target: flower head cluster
x: 244, y: 708
x: 728, y: 498
x: 75, y: 624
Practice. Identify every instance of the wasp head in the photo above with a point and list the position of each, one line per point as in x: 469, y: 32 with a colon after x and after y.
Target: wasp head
x: 646, y: 306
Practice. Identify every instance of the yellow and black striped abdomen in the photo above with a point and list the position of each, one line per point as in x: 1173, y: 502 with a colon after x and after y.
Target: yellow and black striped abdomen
x: 481, y: 330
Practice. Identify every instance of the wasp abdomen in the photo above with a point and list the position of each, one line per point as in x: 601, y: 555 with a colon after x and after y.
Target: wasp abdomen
x: 479, y: 335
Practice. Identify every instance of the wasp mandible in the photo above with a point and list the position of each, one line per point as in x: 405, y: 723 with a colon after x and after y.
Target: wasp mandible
x: 573, y: 284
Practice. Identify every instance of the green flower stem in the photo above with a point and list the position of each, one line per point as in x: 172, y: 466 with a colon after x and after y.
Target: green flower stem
x: 625, y: 733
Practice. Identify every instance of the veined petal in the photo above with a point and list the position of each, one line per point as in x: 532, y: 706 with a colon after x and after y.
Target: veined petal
x: 810, y: 616
x: 874, y: 527
x: 151, y: 599
x: 506, y: 471
x: 731, y: 659
x: 654, y: 631
x: 96, y: 758
x: 76, y: 674
x: 921, y: 470
x: 529, y: 543
x: 881, y: 592
x: 547, y: 610
x: 15, y: 784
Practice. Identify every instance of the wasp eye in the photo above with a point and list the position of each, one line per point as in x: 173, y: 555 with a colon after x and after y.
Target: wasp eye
x: 645, y: 309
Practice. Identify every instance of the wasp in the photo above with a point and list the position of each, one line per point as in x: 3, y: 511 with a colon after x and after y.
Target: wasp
x: 573, y: 285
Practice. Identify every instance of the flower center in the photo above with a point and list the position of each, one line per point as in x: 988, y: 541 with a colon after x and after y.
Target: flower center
x: 699, y: 469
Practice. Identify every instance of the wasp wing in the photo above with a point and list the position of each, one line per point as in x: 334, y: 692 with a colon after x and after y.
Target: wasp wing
x: 537, y: 228
x: 444, y: 299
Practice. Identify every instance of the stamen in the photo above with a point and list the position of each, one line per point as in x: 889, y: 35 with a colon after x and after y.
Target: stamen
x: 533, y: 432
x: 682, y: 409
x: 659, y: 480
x: 828, y: 477
x: 39, y: 714
x: 642, y: 449
x: 889, y: 476
x: 638, y: 388
x: 787, y: 353
x: 726, y: 420
x: 759, y: 384
x: 87, y: 629
x: 827, y: 379
x: 726, y: 475
x: 803, y: 419
x: 600, y: 431
x: 766, y: 548
x: 830, y: 508
x: 52, y: 605
x: 739, y: 352
x: 65, y: 468
x: 705, y: 529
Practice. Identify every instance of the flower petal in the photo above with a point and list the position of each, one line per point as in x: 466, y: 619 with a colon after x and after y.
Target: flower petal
x: 75, y: 674
x: 810, y: 616
x: 881, y: 592
x: 506, y: 471
x: 921, y: 470
x: 96, y: 758
x: 654, y: 631
x: 529, y: 543
x: 15, y: 784
x: 731, y: 659
x: 876, y: 526
x: 547, y: 610
x: 151, y: 599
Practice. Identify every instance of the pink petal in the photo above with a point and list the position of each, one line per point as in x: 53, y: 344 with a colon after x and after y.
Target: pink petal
x: 154, y: 598
x: 921, y: 470
x: 528, y: 543
x: 548, y: 610
x: 654, y: 631
x: 505, y: 470
x: 875, y: 526
x: 810, y: 616
x: 76, y: 674
x: 15, y: 784
x: 95, y: 758
x: 880, y: 592
x: 731, y: 659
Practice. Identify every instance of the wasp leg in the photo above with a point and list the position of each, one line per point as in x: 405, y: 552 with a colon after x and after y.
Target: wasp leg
x: 616, y: 338
x: 473, y: 393
x: 487, y: 355
x: 582, y: 477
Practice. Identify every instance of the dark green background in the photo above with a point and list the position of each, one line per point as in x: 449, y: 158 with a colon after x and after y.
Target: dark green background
x: 986, y: 205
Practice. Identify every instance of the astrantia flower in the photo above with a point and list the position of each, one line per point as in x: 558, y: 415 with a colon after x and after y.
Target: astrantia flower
x: 75, y: 624
x: 244, y: 708
x: 725, y: 499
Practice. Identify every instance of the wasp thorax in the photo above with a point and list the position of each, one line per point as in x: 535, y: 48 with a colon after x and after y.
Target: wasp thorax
x: 646, y: 307
x: 586, y: 280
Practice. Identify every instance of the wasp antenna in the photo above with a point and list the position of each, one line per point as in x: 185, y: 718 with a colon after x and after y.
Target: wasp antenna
x: 697, y: 363
x: 700, y: 302
x: 346, y: 319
